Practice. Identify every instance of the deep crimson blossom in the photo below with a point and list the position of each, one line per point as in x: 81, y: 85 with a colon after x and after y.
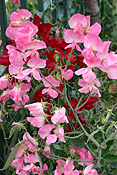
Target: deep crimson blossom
x: 44, y: 29
x: 4, y: 59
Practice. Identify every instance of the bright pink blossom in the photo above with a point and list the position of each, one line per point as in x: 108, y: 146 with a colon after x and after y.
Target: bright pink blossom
x: 74, y: 38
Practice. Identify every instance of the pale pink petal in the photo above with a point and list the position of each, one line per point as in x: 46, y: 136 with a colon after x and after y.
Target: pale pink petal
x: 53, y: 93
x: 51, y: 138
x: 45, y: 130
x: 76, y: 18
x: 36, y: 121
x: 88, y: 169
x: 36, y: 74
x: 95, y: 29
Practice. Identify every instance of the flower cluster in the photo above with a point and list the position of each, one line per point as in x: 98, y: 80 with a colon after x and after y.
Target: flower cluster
x: 41, y: 68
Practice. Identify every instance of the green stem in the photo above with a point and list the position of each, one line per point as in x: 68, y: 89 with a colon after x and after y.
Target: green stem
x: 74, y: 136
x: 77, y: 108
x: 77, y: 119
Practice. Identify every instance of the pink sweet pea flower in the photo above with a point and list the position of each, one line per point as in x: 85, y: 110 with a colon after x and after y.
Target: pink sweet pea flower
x: 31, y: 147
x: 87, y: 74
x: 44, y: 132
x: 83, y: 155
x: 47, y: 149
x: 0, y: 42
x: 53, y: 93
x: 17, y: 164
x: 36, y: 109
x: 36, y: 121
x: 59, y: 116
x: 90, y: 59
x: 68, y: 167
x: 89, y: 171
x: 94, y: 29
x: 35, y: 60
x: 59, y: 131
x: 94, y: 42
x: 36, y: 169
x: 89, y: 87
x: 4, y: 82
x: 30, y: 158
x: 22, y: 15
x: 5, y: 96
x: 16, y: 58
x: 59, y: 167
x: 66, y: 75
x: 16, y: 94
x: 77, y: 19
x: 74, y: 38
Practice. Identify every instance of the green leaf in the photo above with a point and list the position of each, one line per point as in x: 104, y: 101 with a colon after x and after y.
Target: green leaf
x: 61, y: 102
x: 11, y: 157
x: 57, y: 146
x: 110, y: 158
x: 78, y: 142
x: 12, y: 131
x: 106, y: 151
x: 76, y: 84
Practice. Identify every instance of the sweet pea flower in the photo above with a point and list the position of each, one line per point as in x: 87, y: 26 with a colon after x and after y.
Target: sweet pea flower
x: 30, y: 146
x: 68, y: 167
x: 67, y: 75
x: 4, y: 82
x: 44, y: 132
x: 83, y: 155
x: 94, y: 42
x: 89, y: 171
x: 47, y: 149
x: 59, y: 116
x: 16, y: 94
x: 94, y: 29
x: 78, y: 22
x: 59, y: 131
x: 0, y: 42
x: 36, y: 109
x: 59, y: 167
x: 35, y: 60
x: 89, y: 86
x: 74, y: 38
x: 53, y: 93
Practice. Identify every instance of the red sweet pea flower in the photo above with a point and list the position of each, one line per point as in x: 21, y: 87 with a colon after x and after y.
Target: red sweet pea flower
x: 4, y: 59
x: 44, y: 29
